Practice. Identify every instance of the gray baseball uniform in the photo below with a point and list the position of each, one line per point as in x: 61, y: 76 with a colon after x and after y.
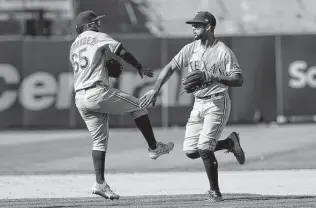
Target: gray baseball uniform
x: 94, y: 98
x: 212, y: 104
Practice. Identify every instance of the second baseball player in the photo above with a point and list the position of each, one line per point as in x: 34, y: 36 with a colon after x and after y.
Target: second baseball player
x: 211, y: 109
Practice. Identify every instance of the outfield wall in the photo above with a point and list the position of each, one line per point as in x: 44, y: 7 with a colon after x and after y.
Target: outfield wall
x: 36, y: 81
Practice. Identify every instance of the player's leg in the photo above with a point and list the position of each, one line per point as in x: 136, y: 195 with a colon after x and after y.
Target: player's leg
x: 192, y: 132
x: 232, y: 144
x: 97, y: 124
x: 116, y: 101
x: 224, y: 144
x: 216, y: 116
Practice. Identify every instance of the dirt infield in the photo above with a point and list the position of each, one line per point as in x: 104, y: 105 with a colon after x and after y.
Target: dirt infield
x: 286, y: 182
x: 179, y: 201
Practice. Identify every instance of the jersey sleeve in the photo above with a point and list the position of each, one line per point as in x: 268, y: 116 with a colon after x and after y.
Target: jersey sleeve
x: 231, y: 62
x: 181, y: 60
x: 108, y: 42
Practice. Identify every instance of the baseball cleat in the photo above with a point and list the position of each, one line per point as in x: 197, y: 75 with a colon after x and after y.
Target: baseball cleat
x: 104, y: 190
x: 161, y: 149
x: 236, y: 148
x: 213, y: 196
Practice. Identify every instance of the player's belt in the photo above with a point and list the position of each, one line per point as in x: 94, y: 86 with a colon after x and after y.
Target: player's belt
x: 209, y: 96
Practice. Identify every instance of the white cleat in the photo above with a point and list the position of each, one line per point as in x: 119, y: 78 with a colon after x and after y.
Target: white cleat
x: 104, y: 190
x: 160, y: 150
x: 213, y: 196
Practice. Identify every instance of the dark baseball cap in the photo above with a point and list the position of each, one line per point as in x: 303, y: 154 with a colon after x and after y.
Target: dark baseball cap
x: 203, y: 17
x: 86, y: 17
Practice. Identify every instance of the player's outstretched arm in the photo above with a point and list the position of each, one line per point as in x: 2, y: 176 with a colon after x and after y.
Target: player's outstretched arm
x: 128, y: 57
x: 151, y: 96
x: 164, y: 75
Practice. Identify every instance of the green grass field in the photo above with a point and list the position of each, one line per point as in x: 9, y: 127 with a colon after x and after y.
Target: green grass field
x: 69, y: 152
x: 51, y: 152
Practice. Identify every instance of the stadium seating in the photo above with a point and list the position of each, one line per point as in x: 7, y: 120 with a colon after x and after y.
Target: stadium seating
x: 235, y: 17
x: 167, y: 17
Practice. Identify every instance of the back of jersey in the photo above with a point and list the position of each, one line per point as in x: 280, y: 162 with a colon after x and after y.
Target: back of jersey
x: 88, y: 55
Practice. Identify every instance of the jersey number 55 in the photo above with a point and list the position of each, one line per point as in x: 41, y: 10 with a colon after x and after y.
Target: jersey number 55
x: 79, y: 60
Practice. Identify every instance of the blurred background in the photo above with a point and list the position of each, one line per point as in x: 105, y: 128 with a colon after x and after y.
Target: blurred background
x: 274, y: 41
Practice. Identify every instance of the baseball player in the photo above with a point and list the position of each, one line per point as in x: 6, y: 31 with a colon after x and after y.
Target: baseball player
x: 218, y: 69
x: 95, y: 99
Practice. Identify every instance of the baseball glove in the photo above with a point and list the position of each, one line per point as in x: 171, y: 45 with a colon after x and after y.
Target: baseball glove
x: 114, y: 67
x: 193, y: 81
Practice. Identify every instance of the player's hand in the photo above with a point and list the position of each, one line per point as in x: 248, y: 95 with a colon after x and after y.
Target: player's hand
x: 149, y: 97
x: 141, y: 73
x: 148, y: 72
x: 145, y: 71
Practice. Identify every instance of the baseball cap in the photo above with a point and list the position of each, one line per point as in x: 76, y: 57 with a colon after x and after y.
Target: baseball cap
x: 86, y: 17
x: 203, y: 17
